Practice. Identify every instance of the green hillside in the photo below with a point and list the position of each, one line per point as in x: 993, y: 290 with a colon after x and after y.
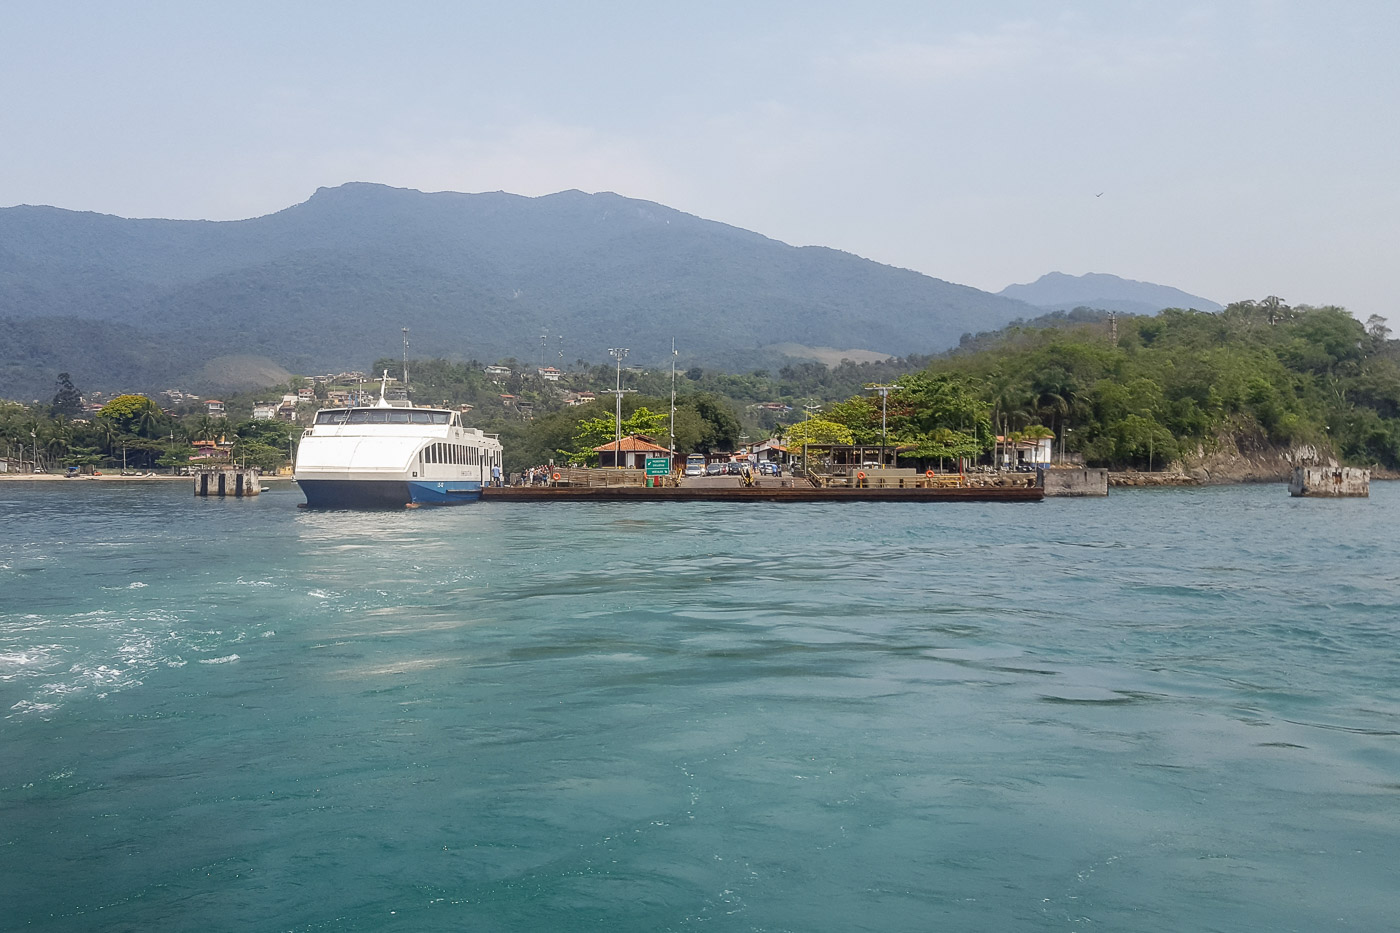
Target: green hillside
x: 324, y: 284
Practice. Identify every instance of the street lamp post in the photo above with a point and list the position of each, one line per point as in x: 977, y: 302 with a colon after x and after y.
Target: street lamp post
x: 618, y: 353
x: 884, y: 402
x: 671, y: 448
x: 808, y: 409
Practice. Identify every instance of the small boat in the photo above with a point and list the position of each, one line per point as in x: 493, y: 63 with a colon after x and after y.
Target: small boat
x: 392, y: 456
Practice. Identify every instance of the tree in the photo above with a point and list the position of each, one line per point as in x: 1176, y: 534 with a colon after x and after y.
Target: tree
x: 128, y: 412
x: 595, y: 432
x: 861, y: 415
x: 67, y: 401
x: 1375, y: 327
x: 817, y: 431
x: 721, y: 425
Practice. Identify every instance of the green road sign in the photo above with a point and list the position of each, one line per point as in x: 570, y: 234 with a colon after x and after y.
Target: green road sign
x: 658, y: 466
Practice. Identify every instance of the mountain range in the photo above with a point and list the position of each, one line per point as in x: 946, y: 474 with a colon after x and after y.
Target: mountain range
x: 1056, y: 291
x: 330, y: 283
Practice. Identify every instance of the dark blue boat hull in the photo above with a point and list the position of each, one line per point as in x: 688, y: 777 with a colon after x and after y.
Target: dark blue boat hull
x: 385, y: 494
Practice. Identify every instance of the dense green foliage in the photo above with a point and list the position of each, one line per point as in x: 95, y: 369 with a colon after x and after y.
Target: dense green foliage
x: 1183, y: 379
x: 1173, y: 384
x: 132, y: 432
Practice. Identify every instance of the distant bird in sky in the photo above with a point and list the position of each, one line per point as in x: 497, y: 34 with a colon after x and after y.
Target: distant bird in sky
x: 1099, y: 195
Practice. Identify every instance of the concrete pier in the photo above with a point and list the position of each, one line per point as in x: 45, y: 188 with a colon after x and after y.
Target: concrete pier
x: 1081, y: 482
x: 1330, y: 482
x: 228, y: 482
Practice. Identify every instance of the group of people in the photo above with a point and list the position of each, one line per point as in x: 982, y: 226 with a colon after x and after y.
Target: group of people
x: 536, y: 476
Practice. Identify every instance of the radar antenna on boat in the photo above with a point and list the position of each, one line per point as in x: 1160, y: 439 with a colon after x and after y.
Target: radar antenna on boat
x: 383, y: 386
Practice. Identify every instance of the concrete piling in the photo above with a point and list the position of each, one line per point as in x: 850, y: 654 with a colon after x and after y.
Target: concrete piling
x: 233, y: 481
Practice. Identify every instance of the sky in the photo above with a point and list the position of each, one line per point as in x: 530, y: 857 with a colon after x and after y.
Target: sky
x: 1231, y: 149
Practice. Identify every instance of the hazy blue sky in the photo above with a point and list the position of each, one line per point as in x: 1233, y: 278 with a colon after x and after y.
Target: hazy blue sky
x: 1242, y: 149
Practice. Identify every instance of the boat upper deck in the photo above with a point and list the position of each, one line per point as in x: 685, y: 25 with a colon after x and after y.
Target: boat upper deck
x: 385, y: 415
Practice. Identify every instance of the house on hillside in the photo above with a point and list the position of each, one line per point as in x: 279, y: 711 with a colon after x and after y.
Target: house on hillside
x: 497, y: 373
x: 549, y: 374
x: 213, y: 407
x: 264, y: 411
x: 630, y: 453
x: 211, y: 452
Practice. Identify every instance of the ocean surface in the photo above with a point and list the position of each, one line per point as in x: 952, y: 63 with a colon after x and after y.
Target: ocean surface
x: 1173, y: 710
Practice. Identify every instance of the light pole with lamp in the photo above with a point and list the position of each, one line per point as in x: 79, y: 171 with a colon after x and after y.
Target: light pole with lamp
x: 672, y: 446
x: 884, y: 402
x: 618, y: 353
x: 808, y: 409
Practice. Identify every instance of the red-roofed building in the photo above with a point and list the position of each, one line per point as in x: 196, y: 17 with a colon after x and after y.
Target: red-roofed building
x: 635, y: 448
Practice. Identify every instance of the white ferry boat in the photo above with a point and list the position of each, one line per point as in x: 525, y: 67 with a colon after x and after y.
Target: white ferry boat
x: 389, y: 455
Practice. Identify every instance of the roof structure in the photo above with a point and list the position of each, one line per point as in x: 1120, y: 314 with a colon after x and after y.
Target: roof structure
x: 632, y: 443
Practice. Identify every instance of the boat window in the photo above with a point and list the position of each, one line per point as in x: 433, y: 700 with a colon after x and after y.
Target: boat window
x: 334, y: 416
x: 422, y: 417
x: 398, y: 417
x: 358, y: 416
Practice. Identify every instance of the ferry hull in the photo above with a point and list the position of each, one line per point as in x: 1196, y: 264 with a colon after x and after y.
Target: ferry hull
x: 385, y: 494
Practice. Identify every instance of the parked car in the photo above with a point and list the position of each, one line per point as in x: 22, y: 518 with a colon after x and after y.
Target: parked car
x: 714, y: 469
x: 768, y: 469
x: 695, y: 469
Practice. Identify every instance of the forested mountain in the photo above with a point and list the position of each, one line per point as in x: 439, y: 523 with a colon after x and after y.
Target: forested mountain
x: 1056, y: 291
x: 329, y: 283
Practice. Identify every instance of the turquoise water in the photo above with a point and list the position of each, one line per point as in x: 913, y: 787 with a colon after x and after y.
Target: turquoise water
x: 1167, y: 710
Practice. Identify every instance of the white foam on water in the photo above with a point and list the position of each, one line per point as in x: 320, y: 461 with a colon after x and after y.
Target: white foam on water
x: 99, y: 652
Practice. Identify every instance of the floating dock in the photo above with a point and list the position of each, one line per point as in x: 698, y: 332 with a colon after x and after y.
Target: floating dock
x: 794, y: 493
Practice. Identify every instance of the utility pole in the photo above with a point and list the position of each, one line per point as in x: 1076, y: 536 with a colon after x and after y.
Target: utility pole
x: 405, y: 360
x: 884, y: 401
x: 618, y: 353
x: 544, y: 341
